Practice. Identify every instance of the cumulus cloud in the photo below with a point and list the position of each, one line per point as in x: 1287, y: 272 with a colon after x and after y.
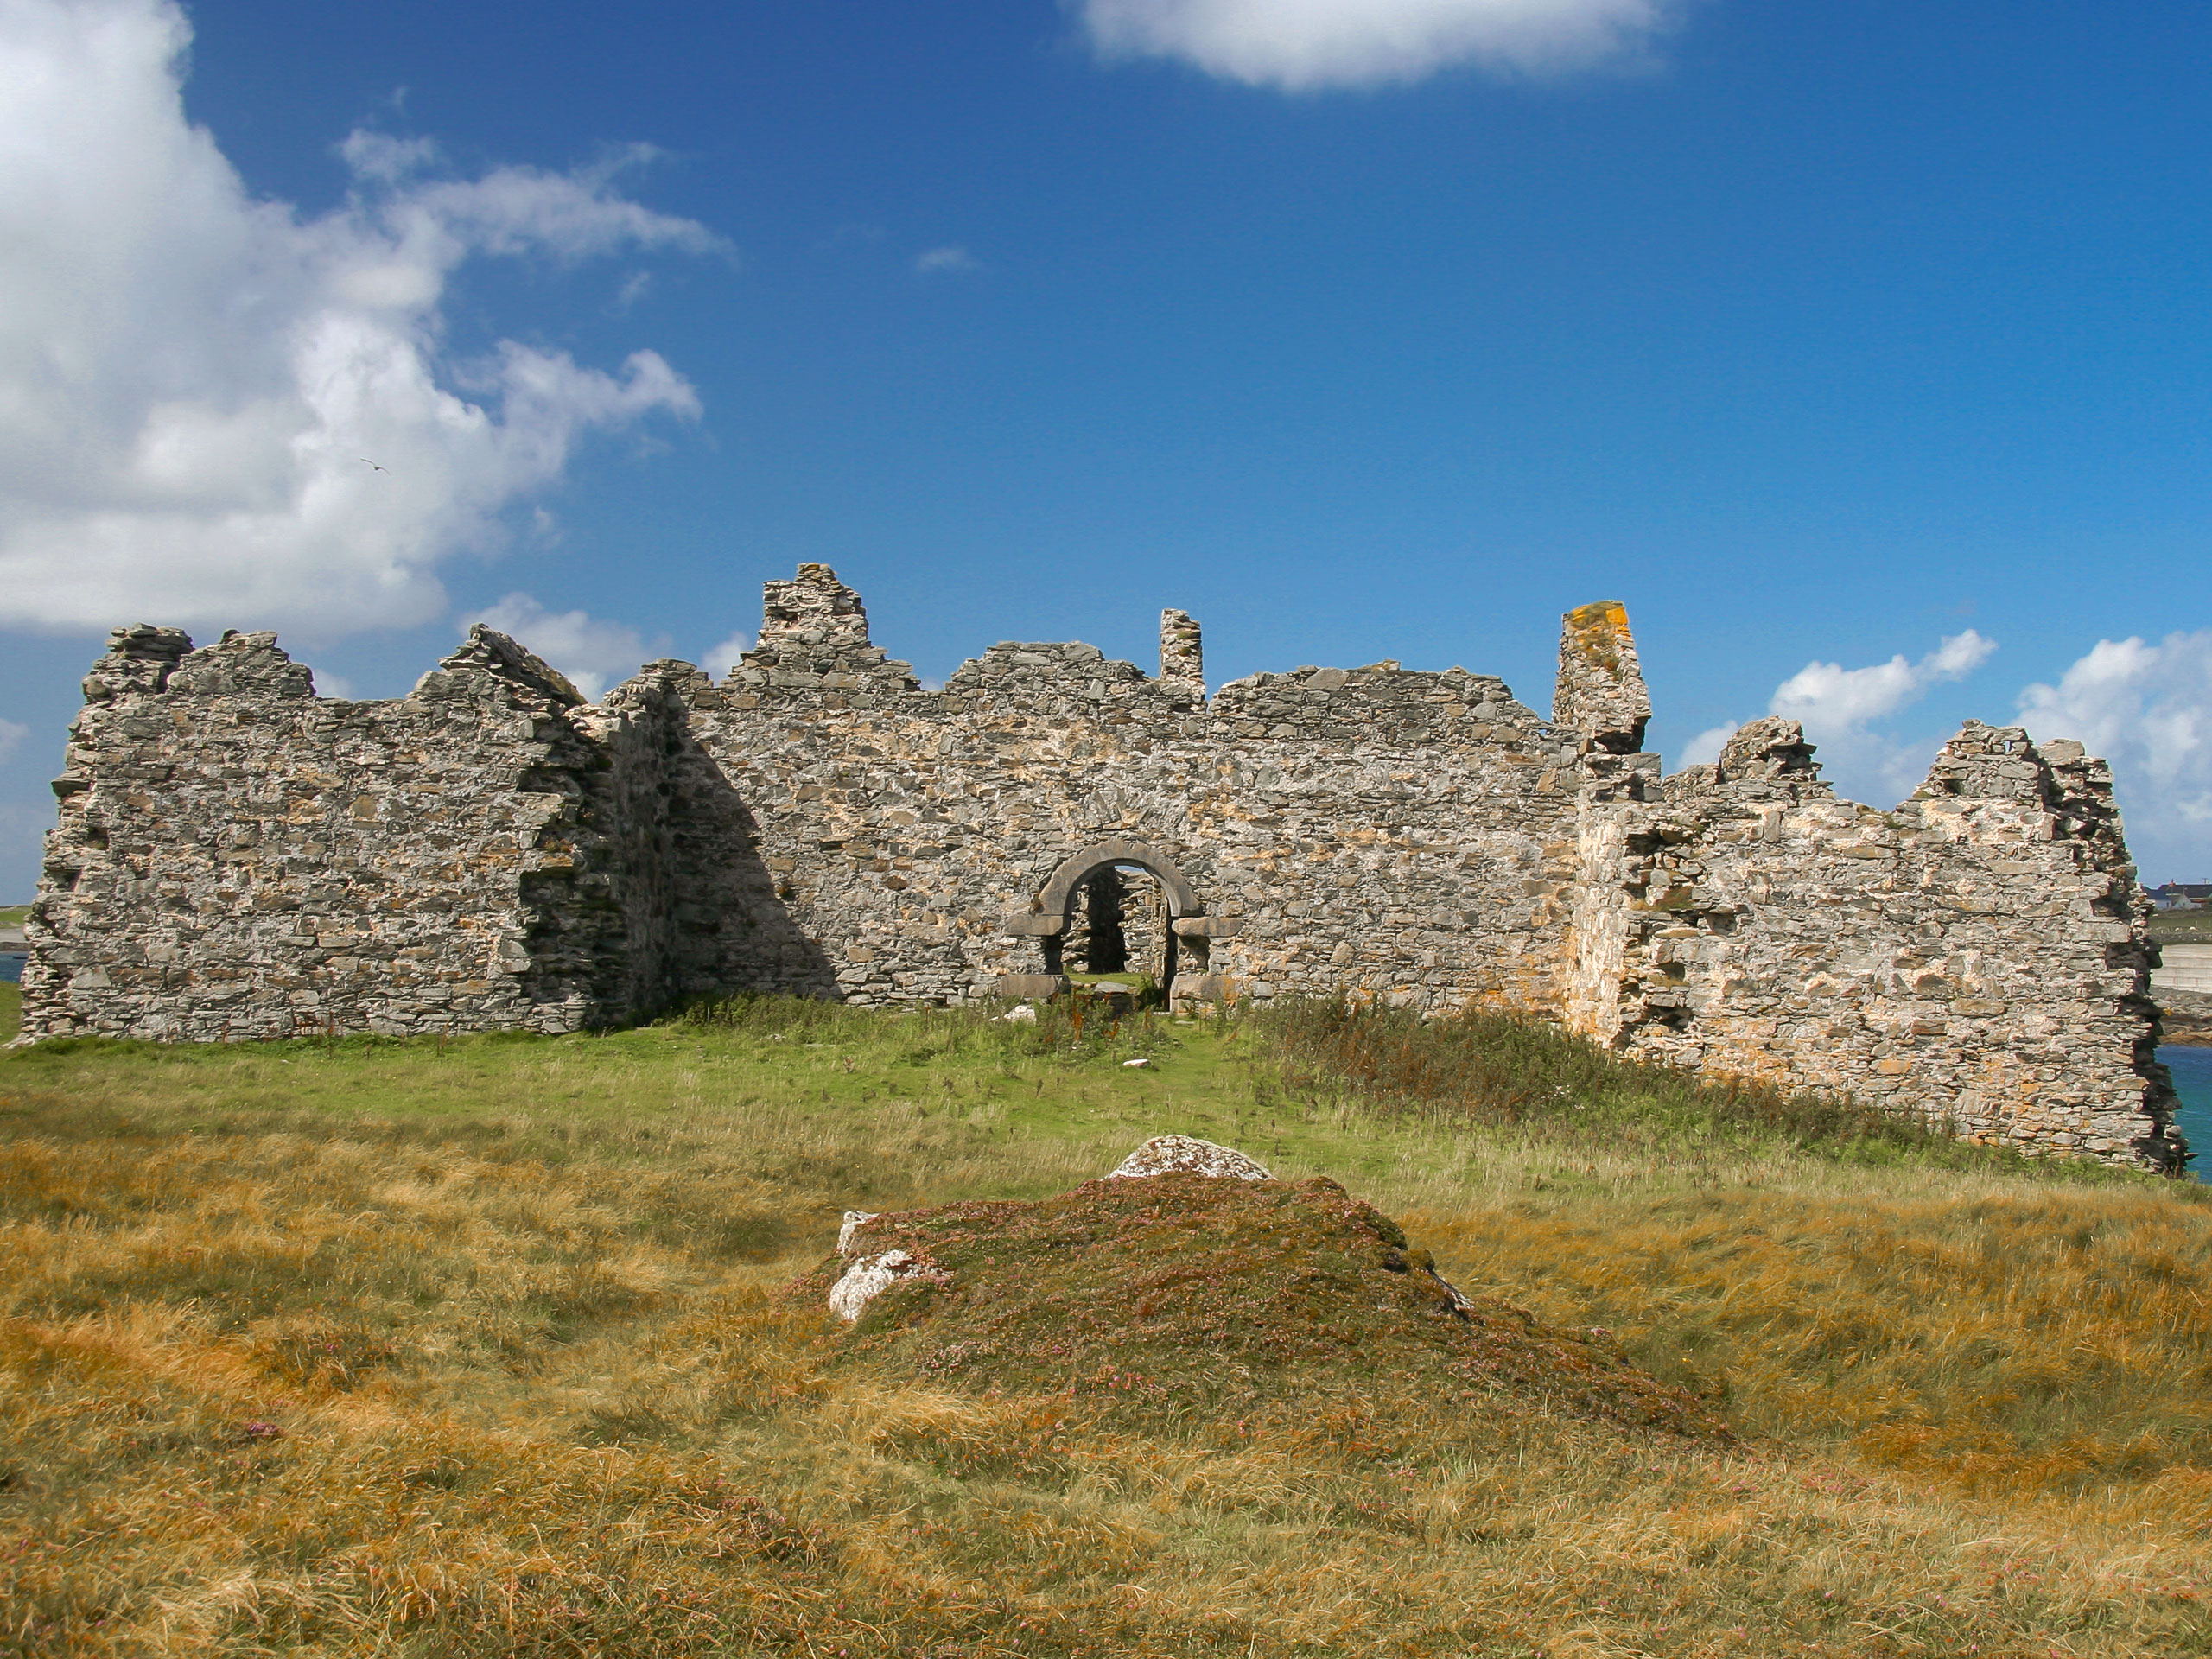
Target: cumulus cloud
x: 953, y: 260
x: 1833, y: 701
x: 591, y: 650
x: 11, y: 738
x: 216, y: 411
x: 1704, y: 748
x: 2147, y: 709
x: 719, y: 659
x: 1303, y: 45
x: 1840, y: 708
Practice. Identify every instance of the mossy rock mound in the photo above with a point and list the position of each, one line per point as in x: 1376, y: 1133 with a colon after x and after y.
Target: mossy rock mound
x: 1205, y: 1298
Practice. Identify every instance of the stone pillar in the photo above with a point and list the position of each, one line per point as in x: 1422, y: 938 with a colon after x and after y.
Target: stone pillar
x: 814, y: 608
x: 1182, y: 658
x: 1600, y: 693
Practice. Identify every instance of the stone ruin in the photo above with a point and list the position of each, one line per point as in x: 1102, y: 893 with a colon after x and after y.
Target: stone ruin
x: 237, y: 858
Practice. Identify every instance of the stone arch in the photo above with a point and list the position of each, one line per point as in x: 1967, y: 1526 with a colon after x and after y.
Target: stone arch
x: 1060, y: 891
x: 1092, y: 871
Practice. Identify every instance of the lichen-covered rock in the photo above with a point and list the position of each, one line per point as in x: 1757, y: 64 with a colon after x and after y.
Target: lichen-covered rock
x: 1600, y: 692
x: 1184, y: 1155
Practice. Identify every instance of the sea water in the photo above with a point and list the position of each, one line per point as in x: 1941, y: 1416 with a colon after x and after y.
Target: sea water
x: 2192, y: 1069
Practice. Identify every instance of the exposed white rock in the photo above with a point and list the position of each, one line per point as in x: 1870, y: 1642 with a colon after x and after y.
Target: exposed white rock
x: 855, y: 1219
x: 1025, y: 1015
x: 870, y: 1276
x: 1184, y: 1155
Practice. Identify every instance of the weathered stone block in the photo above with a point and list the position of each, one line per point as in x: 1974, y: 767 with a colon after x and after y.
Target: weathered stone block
x: 1206, y: 927
x: 1030, y: 987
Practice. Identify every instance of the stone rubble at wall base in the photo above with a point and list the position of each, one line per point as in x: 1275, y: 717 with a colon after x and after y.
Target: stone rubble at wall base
x: 2186, y: 1017
x: 237, y: 858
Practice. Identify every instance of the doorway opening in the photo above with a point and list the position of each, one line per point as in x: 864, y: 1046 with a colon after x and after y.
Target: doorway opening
x: 1115, y: 905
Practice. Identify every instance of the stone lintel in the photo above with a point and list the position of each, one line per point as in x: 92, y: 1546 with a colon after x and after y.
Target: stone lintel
x: 1206, y: 927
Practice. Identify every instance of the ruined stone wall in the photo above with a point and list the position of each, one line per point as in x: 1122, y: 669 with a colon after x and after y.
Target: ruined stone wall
x: 1405, y: 834
x: 1975, y: 958
x: 236, y: 857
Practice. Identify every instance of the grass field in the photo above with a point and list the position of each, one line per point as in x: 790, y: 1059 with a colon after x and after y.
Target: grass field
x: 478, y: 1348
x: 2182, y: 927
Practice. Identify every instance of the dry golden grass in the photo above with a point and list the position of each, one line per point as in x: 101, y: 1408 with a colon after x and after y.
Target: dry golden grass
x: 389, y: 1350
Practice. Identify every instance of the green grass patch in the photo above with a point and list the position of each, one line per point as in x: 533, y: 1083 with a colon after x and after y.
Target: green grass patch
x: 1515, y: 1074
x: 2182, y: 927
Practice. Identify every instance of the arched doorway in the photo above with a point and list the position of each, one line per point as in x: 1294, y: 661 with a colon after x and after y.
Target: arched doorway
x: 1112, y: 909
x: 1117, y: 906
x: 1117, y: 923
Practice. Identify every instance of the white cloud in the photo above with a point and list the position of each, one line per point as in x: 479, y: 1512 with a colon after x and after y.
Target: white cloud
x: 1838, y: 707
x: 1704, y: 748
x: 954, y: 259
x: 719, y: 659
x: 1832, y: 699
x: 1300, y: 45
x: 196, y: 387
x: 2148, y: 710
x: 591, y: 651
x: 11, y: 737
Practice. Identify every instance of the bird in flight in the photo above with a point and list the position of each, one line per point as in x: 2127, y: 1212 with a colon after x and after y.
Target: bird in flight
x: 372, y: 466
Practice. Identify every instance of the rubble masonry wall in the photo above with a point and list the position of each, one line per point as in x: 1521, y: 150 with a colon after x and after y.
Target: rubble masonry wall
x: 238, y: 858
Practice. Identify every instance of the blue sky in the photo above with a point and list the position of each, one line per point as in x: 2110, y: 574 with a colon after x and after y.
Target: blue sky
x: 1862, y: 351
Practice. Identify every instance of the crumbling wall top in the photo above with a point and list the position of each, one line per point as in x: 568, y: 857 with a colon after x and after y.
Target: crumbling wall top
x: 1986, y: 763
x: 1380, y: 700
x: 813, y: 608
x: 1771, y: 747
x: 242, y: 664
x: 814, y: 645
x: 488, y: 655
x: 139, y: 658
x: 1600, y: 692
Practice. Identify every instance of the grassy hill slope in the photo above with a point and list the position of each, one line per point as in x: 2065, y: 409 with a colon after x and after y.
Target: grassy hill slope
x: 486, y: 1348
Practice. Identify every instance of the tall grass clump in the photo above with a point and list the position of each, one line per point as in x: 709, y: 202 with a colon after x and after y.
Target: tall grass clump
x: 1483, y: 1066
